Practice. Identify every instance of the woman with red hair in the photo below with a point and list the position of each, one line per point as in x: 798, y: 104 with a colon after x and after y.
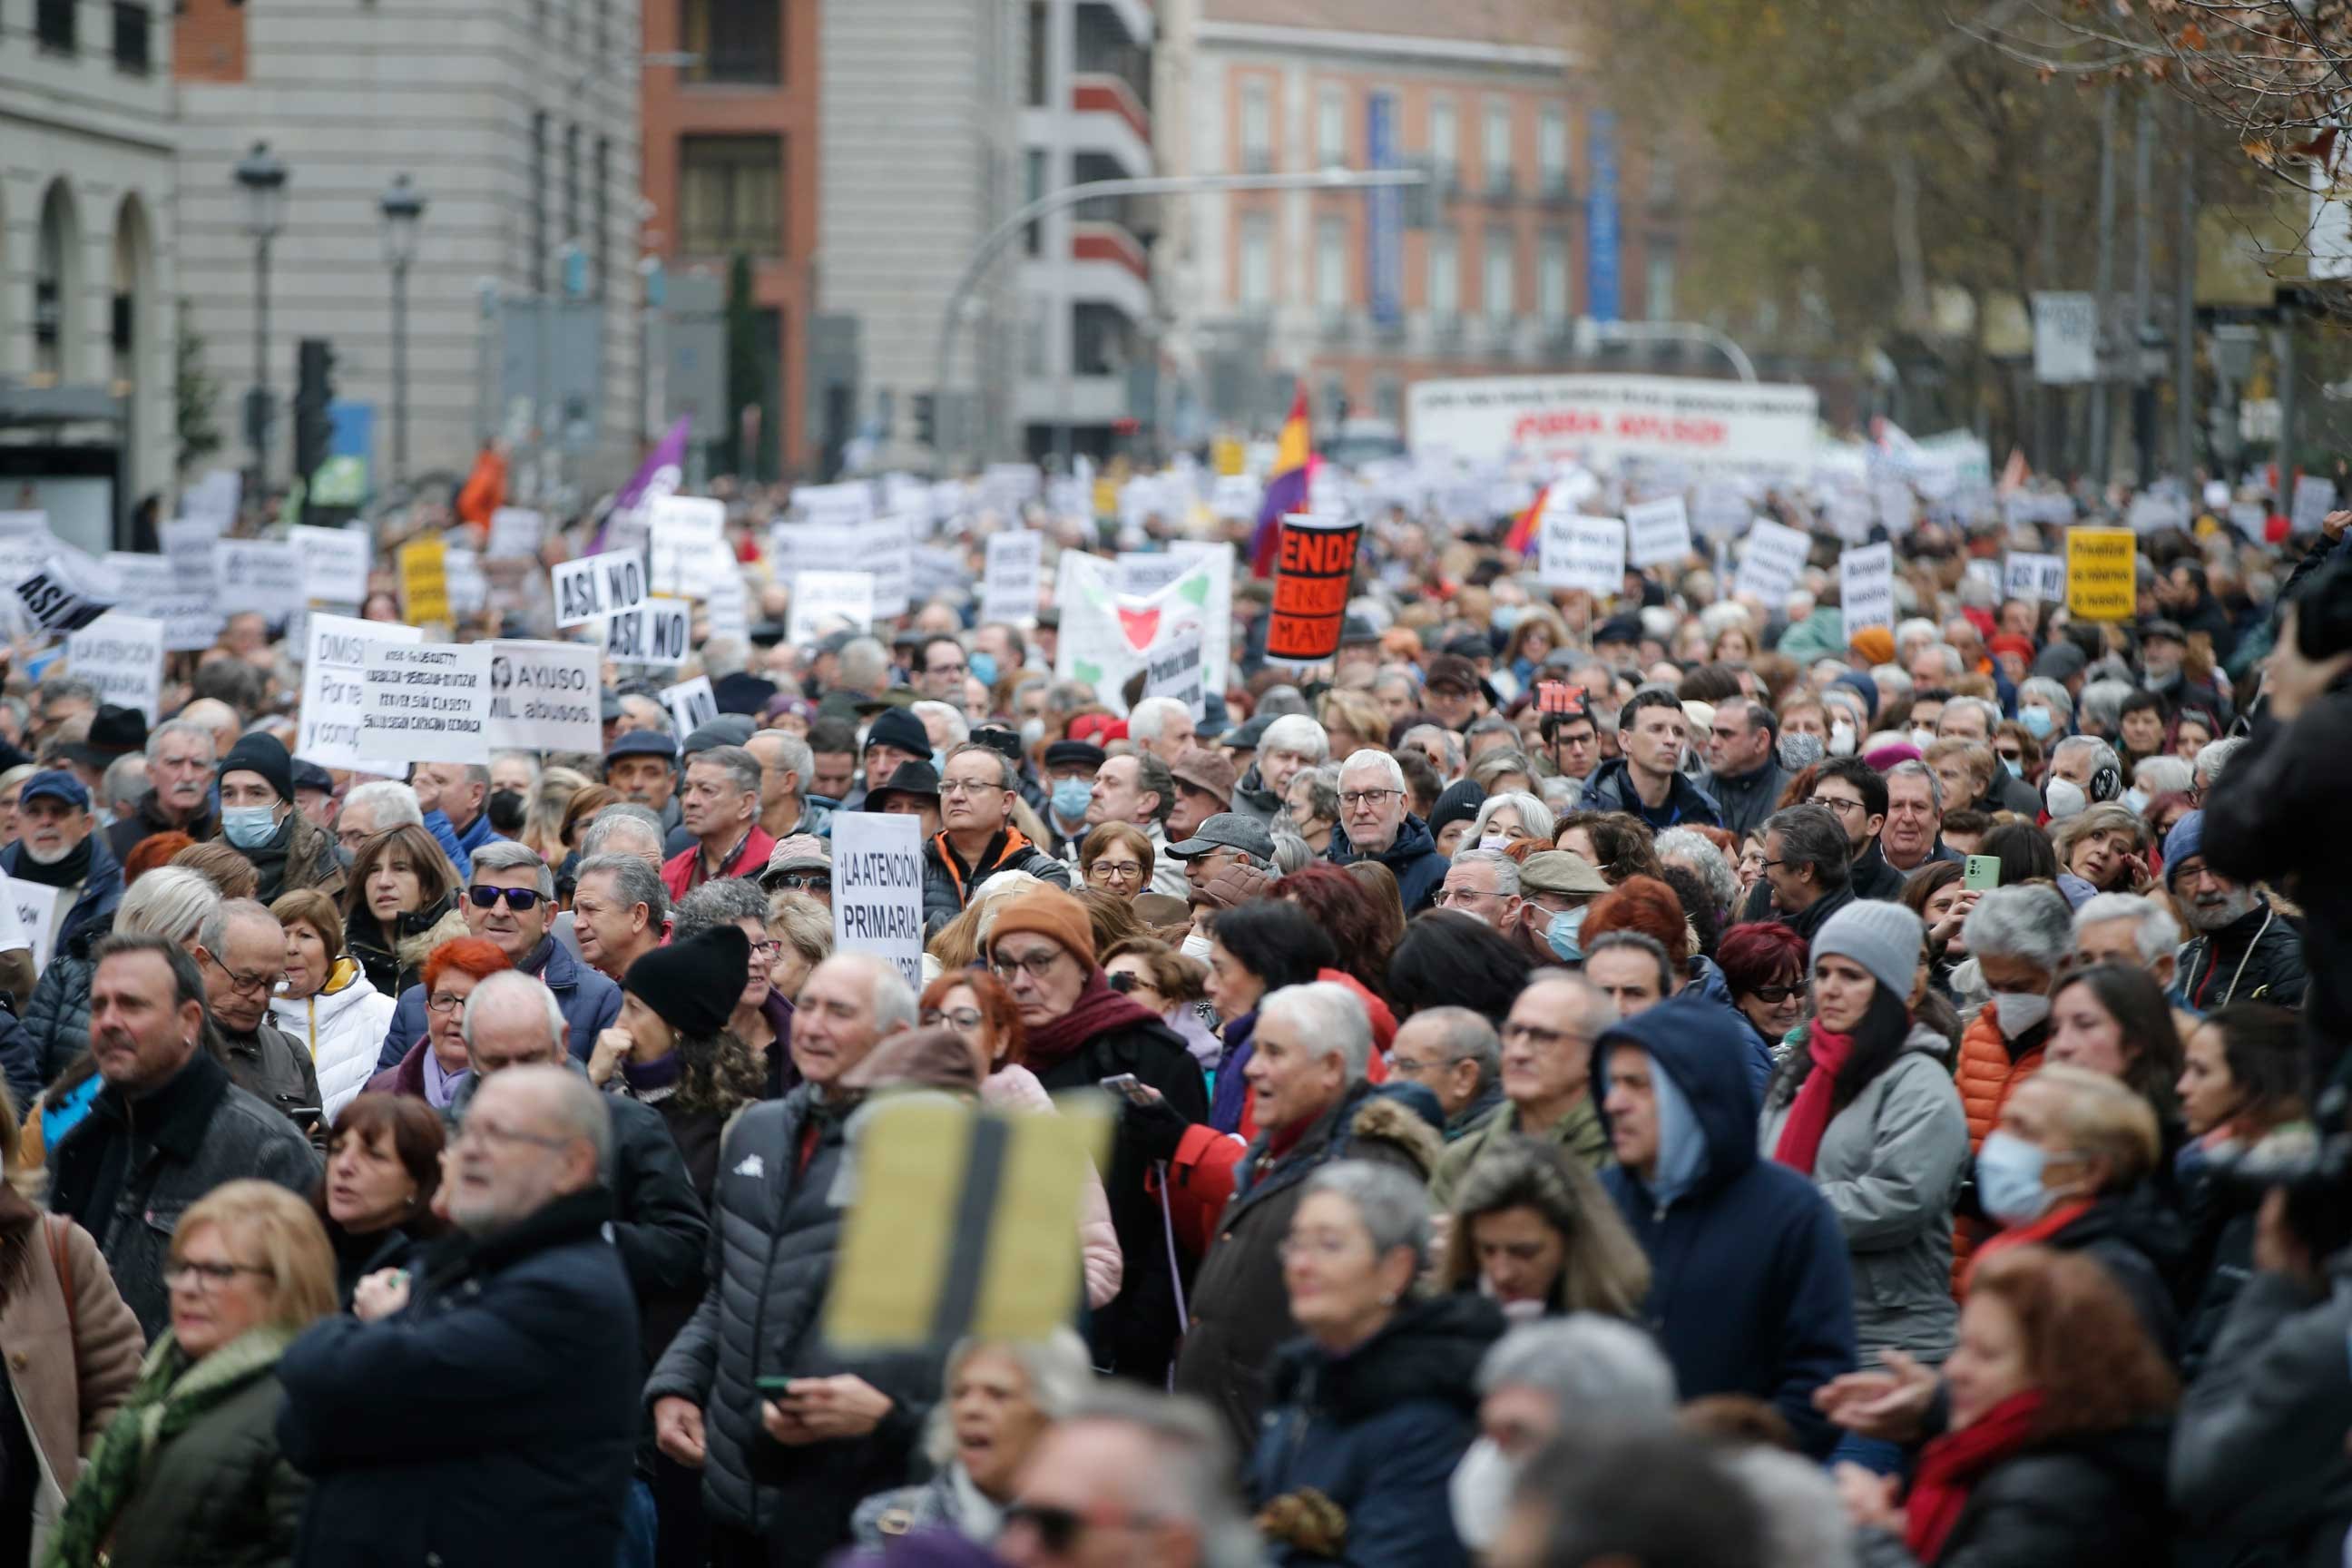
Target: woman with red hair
x: 1763, y: 965
x: 433, y: 1066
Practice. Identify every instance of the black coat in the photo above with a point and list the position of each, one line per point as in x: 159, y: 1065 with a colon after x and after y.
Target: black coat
x: 492, y: 1421
x: 2141, y: 1243
x: 2092, y: 1500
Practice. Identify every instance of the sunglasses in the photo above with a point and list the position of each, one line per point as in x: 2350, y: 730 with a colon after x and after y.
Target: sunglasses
x: 1773, y: 996
x: 1057, y: 1529
x: 519, y: 900
x: 801, y: 882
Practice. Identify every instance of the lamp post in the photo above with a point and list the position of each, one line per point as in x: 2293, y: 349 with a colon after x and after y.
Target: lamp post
x: 261, y: 179
x: 402, y: 207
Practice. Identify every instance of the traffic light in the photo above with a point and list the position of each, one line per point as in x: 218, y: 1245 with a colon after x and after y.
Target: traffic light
x: 314, y: 391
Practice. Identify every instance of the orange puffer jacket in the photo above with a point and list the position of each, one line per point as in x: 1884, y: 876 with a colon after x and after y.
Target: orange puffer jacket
x: 1986, y: 1075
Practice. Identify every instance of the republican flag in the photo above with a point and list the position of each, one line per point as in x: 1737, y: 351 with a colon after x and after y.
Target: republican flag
x: 1285, y: 488
x: 1522, y: 536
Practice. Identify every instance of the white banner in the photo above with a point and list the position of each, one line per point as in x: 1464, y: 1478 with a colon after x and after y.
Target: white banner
x: 2035, y: 577
x: 1578, y: 551
x: 1173, y: 669
x: 263, y: 576
x: 1603, y: 419
x: 124, y: 655
x: 691, y: 704
x: 546, y: 696
x: 822, y: 600
x: 425, y: 702
x: 515, y: 534
x: 1772, y: 561
x: 655, y: 632
x: 156, y: 586
x: 1895, y: 505
x: 846, y: 505
x: 877, y: 888
x: 1657, y: 533
x: 333, y: 686
x: 1009, y: 587
x: 598, y: 585
x: 1866, y: 588
x: 37, y: 909
x: 334, y: 563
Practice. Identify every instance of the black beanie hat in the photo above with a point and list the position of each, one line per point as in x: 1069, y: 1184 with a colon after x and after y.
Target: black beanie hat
x: 693, y: 984
x: 265, y: 755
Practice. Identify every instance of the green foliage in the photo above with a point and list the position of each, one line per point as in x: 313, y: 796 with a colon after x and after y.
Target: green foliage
x: 194, y: 395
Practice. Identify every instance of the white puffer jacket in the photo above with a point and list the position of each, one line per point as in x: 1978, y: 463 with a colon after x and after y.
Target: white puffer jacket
x: 343, y: 1027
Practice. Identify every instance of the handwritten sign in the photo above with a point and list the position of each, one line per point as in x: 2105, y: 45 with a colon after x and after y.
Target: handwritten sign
x: 37, y: 909
x: 1173, y: 669
x: 1866, y: 588
x: 260, y: 575
x: 425, y: 702
x: 425, y: 579
x: 2100, y: 580
x: 1771, y: 564
x: 690, y: 548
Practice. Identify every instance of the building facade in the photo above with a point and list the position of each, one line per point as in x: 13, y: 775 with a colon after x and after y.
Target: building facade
x: 518, y: 125
x: 1540, y: 211
x: 87, y: 264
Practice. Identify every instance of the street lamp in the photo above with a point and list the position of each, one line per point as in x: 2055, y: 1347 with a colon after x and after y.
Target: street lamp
x: 401, y: 206
x: 261, y: 179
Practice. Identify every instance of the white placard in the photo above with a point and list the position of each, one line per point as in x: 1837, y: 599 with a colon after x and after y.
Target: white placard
x: 156, y: 586
x: 877, y: 888
x: 62, y: 595
x: 1986, y: 571
x: 36, y: 909
x: 598, y: 585
x: 2249, y: 518
x: 2032, y: 577
x: 937, y: 569
x: 727, y: 610
x: 1866, y: 588
x: 1143, y: 573
x: 1172, y: 668
x: 798, y: 547
x: 888, y: 550
x: 2314, y: 498
x: 425, y: 702
x: 1657, y: 533
x: 336, y: 648
x: 1719, y: 511
x: 688, y: 543
x: 824, y: 600
x: 469, y: 586
x: 657, y: 632
x: 1770, y: 562
x: 691, y: 704
x: 124, y: 655
x: 515, y: 534
x: 546, y: 696
x: 1235, y: 496
x: 1008, y: 588
x: 334, y: 563
x: 214, y: 499
x: 24, y: 524
x: 1580, y: 552
x: 846, y: 505
x: 2065, y: 338
x: 263, y: 576
x: 1895, y: 502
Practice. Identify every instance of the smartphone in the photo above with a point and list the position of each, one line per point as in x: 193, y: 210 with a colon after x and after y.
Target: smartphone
x: 773, y: 1387
x: 1981, y: 871
x: 1127, y: 1087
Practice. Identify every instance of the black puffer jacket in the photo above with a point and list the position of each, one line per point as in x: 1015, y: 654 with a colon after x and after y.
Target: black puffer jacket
x: 2141, y: 1244
x: 774, y: 1236
x: 2258, y: 957
x: 948, y: 882
x: 2092, y: 1500
x: 57, y: 1015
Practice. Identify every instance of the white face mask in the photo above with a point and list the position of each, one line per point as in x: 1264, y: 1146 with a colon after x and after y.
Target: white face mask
x: 2016, y: 1012
x: 1195, y: 946
x: 1923, y: 739
x: 2135, y: 800
x: 1840, y: 739
x: 1479, y: 1494
x: 2064, y: 798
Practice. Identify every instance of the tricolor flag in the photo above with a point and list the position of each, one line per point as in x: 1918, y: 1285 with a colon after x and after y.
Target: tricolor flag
x: 1285, y: 488
x: 1522, y: 536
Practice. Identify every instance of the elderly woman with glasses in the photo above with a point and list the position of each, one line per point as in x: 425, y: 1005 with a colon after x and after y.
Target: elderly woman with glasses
x: 433, y: 1067
x: 1079, y: 1031
x: 1117, y: 857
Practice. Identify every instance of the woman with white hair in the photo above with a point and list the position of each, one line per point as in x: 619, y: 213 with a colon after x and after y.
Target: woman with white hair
x: 1512, y: 817
x: 998, y: 1398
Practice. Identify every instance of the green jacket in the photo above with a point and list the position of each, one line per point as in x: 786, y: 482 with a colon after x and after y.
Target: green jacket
x: 1580, y: 1133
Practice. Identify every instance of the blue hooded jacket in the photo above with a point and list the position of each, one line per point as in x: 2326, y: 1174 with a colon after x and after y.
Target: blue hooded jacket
x: 1749, y: 1289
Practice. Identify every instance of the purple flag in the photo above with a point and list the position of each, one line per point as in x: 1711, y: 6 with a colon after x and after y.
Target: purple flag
x: 661, y: 470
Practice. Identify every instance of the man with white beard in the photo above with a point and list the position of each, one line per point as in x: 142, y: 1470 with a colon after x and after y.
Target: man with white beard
x: 2244, y: 951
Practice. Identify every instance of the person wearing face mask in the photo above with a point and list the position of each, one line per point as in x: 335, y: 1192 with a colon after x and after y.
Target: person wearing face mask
x: 2243, y: 950
x: 1070, y: 780
x: 258, y: 820
x: 56, y: 848
x: 2020, y: 938
x: 2084, y: 771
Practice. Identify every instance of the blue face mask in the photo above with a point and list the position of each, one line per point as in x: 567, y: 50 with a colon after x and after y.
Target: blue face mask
x: 248, y: 827
x: 2015, y: 766
x: 982, y: 666
x: 939, y: 760
x: 2009, y: 1179
x: 1071, y: 797
x: 1565, y: 934
x: 2036, y: 719
x: 1507, y: 618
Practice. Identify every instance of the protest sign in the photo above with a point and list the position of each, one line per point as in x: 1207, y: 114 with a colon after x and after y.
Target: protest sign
x: 598, y: 585
x: 334, y: 563
x: 798, y: 547
x: 469, y: 587
x: 24, y: 524
x: 332, y: 690
x: 1849, y: 515
x: 515, y: 534
x: 1173, y: 669
x: 689, y: 545
x: 822, y: 600
x: 655, y: 632
x: 1719, y: 511
x: 1009, y: 583
x: 1895, y: 505
x: 2100, y: 580
x: 1603, y: 419
x: 62, y: 595
x: 888, y: 551
x: 2154, y: 511
x: 156, y: 586
x: 2035, y: 577
x: 1657, y: 533
x: 36, y: 908
x: 2249, y: 518
x: 546, y: 696
x: 1771, y: 563
x: 1234, y: 496
x: 2314, y: 498
x: 1578, y: 551
x: 846, y: 505
x: 727, y: 610
x: 1315, y: 567
x: 425, y: 702
x: 691, y: 704
x: 877, y: 888
x: 1866, y: 588
x: 263, y: 577
x: 1986, y: 571
x: 425, y: 579
x: 937, y: 569
x: 1009, y: 487
x: 214, y: 499
x: 123, y: 655
x: 189, y: 543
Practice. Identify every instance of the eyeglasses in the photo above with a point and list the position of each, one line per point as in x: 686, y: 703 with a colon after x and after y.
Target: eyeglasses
x: 1773, y: 996
x: 1037, y: 966
x: 1120, y: 871
x: 206, y: 1277
x: 802, y: 881
x: 766, y: 948
x: 1834, y: 804
x: 959, y: 1018
x: 1450, y: 896
x: 1355, y: 797
x: 520, y: 899
x: 444, y: 1004
x: 1127, y: 981
x: 970, y: 786
x: 249, y: 985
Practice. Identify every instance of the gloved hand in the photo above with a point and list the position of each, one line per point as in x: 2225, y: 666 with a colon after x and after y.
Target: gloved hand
x: 1152, y: 1125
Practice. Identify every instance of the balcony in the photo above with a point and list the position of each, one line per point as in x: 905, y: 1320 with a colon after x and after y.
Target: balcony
x: 1557, y: 191
x: 1501, y: 186
x: 1107, y: 117
x: 1446, y: 335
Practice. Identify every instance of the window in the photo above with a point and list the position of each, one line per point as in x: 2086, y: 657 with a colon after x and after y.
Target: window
x: 1257, y: 127
x: 731, y: 194
x: 53, y: 23
x: 539, y: 200
x: 570, y: 183
x: 1658, y: 282
x: 1501, y: 283
x: 1032, y: 176
x: 1444, y: 273
x: 732, y: 40
x: 131, y: 38
x: 1331, y: 129
x: 1101, y: 46
x: 1496, y: 147
x: 1552, y: 277
x: 1256, y: 285
x: 1444, y: 141
x: 1331, y: 265
x: 1040, y: 53
x: 1551, y: 150
x: 1098, y: 338
x: 1034, y: 323
x: 600, y: 244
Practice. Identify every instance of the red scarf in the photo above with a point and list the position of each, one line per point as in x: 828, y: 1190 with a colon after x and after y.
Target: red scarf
x: 1809, y: 1116
x: 1098, y: 1008
x: 1950, y: 1466
x: 2042, y: 1229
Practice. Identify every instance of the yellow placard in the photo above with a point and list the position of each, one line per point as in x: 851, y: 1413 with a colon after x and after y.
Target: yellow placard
x: 2100, y: 562
x: 1228, y: 456
x: 425, y: 581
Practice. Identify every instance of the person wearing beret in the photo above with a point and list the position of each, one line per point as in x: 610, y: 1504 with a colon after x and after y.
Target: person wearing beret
x: 671, y: 1047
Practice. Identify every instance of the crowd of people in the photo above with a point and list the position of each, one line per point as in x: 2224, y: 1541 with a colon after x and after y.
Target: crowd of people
x: 1651, y: 1079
